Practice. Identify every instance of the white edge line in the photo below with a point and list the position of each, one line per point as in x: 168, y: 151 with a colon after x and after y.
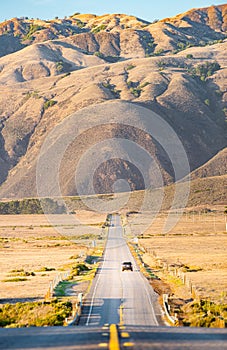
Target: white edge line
x: 94, y: 292
x: 149, y: 297
x: 92, y: 300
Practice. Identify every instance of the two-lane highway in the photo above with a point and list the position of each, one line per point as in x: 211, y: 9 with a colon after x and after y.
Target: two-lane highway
x: 117, y: 296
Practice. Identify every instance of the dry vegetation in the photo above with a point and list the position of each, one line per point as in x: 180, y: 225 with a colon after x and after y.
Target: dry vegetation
x: 197, y: 245
x: 108, y: 34
x: 176, y: 68
x: 35, y: 314
x: 45, y: 82
x: 205, y: 194
x: 33, y: 252
x: 188, y: 264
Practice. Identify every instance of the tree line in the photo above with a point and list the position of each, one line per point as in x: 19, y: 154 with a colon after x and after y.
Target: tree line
x: 32, y: 206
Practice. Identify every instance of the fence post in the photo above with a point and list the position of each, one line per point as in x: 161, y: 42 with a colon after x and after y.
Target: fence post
x: 58, y: 278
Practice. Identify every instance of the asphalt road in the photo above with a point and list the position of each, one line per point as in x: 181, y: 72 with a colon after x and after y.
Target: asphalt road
x: 174, y: 338
x: 92, y: 338
x: 52, y: 338
x: 117, y: 296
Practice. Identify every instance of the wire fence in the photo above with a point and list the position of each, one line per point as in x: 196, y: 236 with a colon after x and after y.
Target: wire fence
x: 53, y: 284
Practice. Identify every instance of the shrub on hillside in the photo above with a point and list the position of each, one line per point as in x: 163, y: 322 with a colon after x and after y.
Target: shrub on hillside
x: 49, y: 104
x: 33, y: 28
x: 204, y: 70
x: 99, y: 28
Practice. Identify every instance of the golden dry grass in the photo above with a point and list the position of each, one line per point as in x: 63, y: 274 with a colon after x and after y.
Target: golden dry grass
x: 197, y: 241
x: 30, y: 243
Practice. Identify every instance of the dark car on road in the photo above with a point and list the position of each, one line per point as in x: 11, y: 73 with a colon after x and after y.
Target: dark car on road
x: 127, y: 265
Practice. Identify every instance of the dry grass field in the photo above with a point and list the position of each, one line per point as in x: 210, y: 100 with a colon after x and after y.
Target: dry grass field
x: 33, y: 252
x: 197, y: 244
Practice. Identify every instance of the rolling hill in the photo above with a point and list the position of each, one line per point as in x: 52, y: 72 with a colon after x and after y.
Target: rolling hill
x: 109, y: 34
x: 85, y: 64
x: 216, y: 166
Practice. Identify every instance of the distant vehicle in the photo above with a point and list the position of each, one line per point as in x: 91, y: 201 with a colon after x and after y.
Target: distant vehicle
x: 126, y: 265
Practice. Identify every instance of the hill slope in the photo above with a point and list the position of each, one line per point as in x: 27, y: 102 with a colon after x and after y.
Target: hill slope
x: 109, y: 34
x: 216, y: 166
x: 45, y: 81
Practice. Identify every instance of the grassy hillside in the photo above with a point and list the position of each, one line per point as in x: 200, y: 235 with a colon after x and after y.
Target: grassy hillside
x: 108, y: 34
x: 216, y: 166
x: 51, y: 69
x: 206, y: 193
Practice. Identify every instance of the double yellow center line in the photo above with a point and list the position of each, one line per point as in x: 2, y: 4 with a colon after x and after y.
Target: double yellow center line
x: 115, y: 334
x: 114, y: 343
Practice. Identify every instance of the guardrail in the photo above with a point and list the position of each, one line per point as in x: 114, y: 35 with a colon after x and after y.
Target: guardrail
x: 173, y: 320
x: 77, y: 310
